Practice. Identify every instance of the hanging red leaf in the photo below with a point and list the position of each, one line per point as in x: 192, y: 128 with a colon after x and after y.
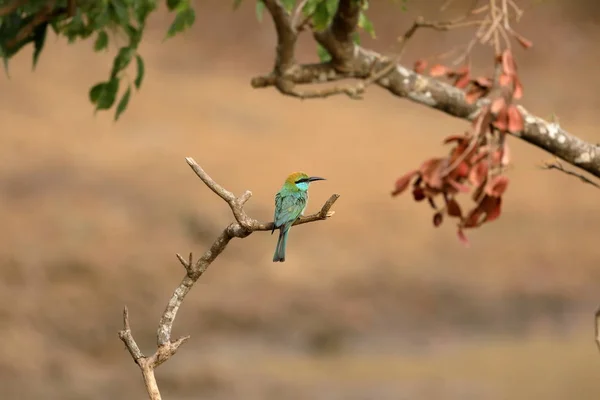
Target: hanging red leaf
x: 462, y: 81
x: 453, y: 208
x: 518, y: 92
x: 508, y: 63
x: 497, y: 104
x: 497, y: 186
x: 473, y: 218
x: 455, y: 138
x: 431, y: 172
x: 505, y: 80
x: 458, y: 186
x: 438, y: 218
x: 505, y: 155
x: 420, y: 66
x: 473, y: 95
x: 463, y: 238
x: 439, y: 70
x: 501, y: 121
x: 483, y: 82
x: 478, y: 173
x: 515, y: 120
x: 526, y: 43
x: 494, y: 211
x: 403, y: 182
x: 418, y: 194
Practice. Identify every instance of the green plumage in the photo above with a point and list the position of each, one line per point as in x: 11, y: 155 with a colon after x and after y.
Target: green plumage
x: 290, y: 203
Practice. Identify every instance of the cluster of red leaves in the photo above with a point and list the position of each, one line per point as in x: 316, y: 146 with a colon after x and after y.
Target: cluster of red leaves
x: 478, y: 158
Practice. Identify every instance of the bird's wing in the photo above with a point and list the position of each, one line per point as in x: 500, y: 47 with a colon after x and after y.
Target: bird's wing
x: 288, y: 208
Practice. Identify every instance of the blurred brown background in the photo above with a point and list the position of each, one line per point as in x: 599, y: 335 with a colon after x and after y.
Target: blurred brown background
x: 372, y: 304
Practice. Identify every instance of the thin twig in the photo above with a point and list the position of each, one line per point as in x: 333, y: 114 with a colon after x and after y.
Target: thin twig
x: 557, y: 165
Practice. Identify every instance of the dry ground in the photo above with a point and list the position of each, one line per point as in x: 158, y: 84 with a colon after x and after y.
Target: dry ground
x: 372, y: 304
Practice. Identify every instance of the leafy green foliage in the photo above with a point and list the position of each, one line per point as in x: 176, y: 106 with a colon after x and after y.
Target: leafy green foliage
x: 321, y: 13
x: 114, y: 24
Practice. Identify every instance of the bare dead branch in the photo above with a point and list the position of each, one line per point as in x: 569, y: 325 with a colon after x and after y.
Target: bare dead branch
x: 242, y: 228
x: 350, y: 60
x: 557, y: 165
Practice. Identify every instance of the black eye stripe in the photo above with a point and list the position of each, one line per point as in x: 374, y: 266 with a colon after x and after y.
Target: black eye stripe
x: 303, y: 180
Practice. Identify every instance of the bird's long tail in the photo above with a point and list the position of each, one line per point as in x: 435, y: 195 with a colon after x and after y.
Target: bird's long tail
x: 279, y: 255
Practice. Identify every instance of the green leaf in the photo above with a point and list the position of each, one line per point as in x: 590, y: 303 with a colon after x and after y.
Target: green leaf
x: 324, y: 55
x: 101, y: 41
x: 103, y: 95
x: 95, y: 92
x: 140, y: 71
x: 332, y: 6
x: 122, y: 60
x: 259, y: 10
x: 322, y: 15
x: 366, y: 24
x: 39, y: 38
x: 135, y: 35
x: 184, y: 19
x: 288, y: 4
x: 173, y: 4
x: 143, y: 9
x: 119, y: 11
x: 123, y: 103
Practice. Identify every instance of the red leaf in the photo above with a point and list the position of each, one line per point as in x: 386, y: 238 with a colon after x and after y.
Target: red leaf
x: 515, y: 120
x: 431, y: 172
x: 439, y: 70
x: 459, y: 186
x: 505, y: 155
x: 518, y: 92
x: 454, y: 138
x: 526, y: 43
x: 508, y: 63
x: 418, y: 194
x: 403, y: 182
x: 420, y: 66
x: 494, y: 212
x: 463, y: 238
x: 501, y: 121
x: 483, y: 82
x: 462, y: 81
x: 462, y: 170
x: 497, y: 186
x: 478, y: 173
x: 473, y: 95
x: 453, y: 208
x: 472, y: 219
x: 438, y: 218
x: 498, y: 104
x: 505, y: 80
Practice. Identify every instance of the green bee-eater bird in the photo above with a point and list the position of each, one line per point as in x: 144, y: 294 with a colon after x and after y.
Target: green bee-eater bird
x: 290, y: 203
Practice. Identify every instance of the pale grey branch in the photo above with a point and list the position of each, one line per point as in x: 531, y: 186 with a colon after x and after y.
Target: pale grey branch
x: 350, y: 60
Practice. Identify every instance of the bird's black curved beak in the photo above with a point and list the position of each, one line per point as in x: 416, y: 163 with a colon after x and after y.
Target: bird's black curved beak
x: 315, y: 178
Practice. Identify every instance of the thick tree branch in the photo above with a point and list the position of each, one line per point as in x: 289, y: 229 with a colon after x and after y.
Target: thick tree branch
x: 243, y: 227
x: 353, y: 61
